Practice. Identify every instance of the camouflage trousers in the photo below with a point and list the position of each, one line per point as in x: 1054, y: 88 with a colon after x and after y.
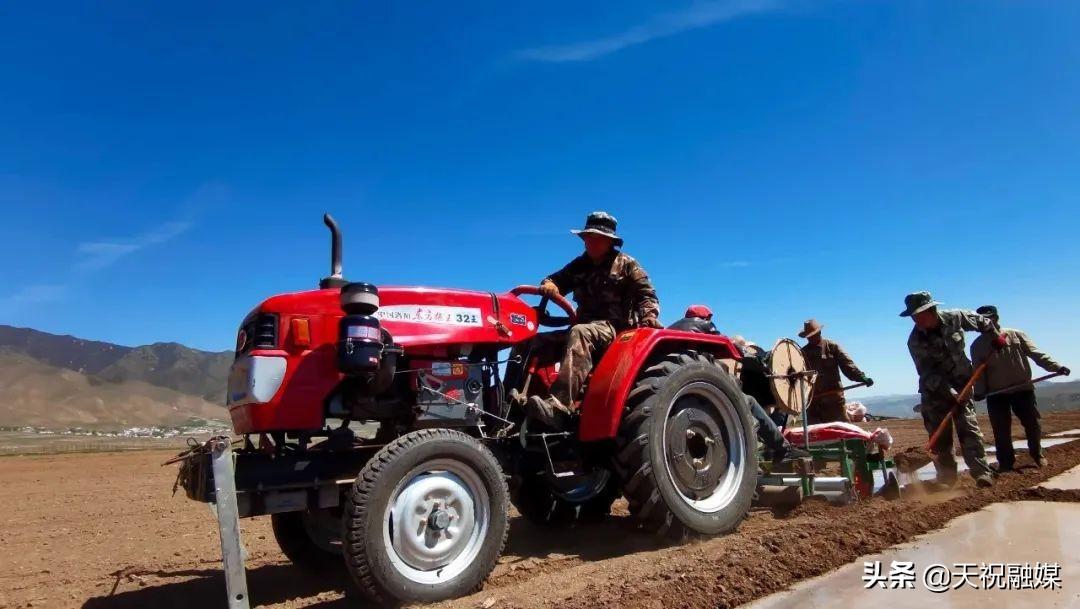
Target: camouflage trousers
x: 934, y: 411
x: 583, y: 343
x: 828, y: 409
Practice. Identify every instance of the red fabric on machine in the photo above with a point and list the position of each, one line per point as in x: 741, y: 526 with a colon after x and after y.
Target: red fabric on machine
x: 823, y: 433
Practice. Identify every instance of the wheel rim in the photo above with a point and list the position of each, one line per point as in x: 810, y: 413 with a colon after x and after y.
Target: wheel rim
x: 436, y: 521
x: 323, y: 528
x: 703, y: 447
x: 581, y: 488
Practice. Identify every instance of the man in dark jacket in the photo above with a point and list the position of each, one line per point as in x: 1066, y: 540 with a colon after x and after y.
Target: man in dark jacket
x: 1008, y: 368
x: 613, y: 293
x: 829, y: 359
x: 699, y: 319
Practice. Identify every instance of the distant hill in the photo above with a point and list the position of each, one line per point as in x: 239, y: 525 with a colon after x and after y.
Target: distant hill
x: 170, y: 365
x: 889, y: 405
x: 176, y: 367
x: 1051, y: 397
x: 76, y: 354
x: 1058, y: 396
x: 35, y: 393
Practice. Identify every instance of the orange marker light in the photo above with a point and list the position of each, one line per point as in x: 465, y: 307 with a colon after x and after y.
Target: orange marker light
x: 301, y: 332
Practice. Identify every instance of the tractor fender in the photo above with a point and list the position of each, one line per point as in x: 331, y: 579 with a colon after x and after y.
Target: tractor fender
x: 614, y: 375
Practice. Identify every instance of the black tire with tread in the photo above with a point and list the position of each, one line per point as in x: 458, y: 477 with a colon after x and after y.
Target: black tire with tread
x: 533, y: 497
x: 296, y: 544
x: 366, y: 557
x: 653, y: 501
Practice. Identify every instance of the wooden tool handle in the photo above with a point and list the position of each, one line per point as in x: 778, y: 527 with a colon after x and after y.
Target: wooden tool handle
x: 1025, y: 383
x: 839, y: 390
x: 961, y: 399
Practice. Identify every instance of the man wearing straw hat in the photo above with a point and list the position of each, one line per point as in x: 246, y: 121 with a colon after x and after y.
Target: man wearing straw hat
x: 828, y: 359
x: 613, y: 293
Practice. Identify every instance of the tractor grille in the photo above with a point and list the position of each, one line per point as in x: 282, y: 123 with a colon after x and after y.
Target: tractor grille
x: 261, y: 332
x: 265, y: 333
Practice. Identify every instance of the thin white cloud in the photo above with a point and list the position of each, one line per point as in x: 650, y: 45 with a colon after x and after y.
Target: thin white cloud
x: 94, y: 256
x: 29, y: 296
x: 97, y: 255
x: 734, y: 264
x: 698, y: 15
x: 34, y: 294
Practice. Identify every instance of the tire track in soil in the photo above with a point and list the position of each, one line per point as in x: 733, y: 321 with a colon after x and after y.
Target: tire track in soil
x: 766, y: 554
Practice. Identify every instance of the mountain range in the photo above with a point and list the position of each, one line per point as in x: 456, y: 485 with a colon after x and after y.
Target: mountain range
x: 1051, y: 397
x: 49, y: 380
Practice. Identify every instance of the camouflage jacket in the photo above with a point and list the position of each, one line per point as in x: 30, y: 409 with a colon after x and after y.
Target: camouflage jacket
x: 616, y: 290
x: 1009, y: 366
x: 830, y: 359
x: 939, y: 355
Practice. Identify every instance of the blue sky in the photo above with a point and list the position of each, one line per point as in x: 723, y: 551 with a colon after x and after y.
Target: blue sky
x: 163, y: 168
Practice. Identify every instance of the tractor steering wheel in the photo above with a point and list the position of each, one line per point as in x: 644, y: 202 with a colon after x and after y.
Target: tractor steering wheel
x: 543, y: 317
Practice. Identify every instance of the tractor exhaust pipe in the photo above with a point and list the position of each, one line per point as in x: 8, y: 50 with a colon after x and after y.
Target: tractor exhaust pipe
x: 335, y: 280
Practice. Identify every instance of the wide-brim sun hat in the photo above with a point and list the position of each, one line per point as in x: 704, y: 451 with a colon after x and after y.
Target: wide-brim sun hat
x: 810, y: 328
x: 917, y: 302
x: 600, y: 223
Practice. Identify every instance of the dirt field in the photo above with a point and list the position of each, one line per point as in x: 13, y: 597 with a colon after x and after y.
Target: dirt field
x: 101, y: 531
x: 25, y: 443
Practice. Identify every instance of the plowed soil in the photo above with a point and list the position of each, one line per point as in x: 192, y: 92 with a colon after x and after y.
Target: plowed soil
x: 103, y: 531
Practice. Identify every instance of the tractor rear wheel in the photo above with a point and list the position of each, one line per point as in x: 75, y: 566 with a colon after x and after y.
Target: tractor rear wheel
x: 546, y: 500
x: 427, y: 518
x: 686, y: 448
x: 311, y: 540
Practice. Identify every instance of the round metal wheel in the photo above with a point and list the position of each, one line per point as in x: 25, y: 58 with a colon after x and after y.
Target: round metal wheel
x: 323, y: 528
x: 581, y: 488
x: 310, y: 539
x: 704, y: 464
x: 436, y: 520
x: 791, y: 386
x: 549, y: 500
x: 426, y: 519
x: 686, y: 449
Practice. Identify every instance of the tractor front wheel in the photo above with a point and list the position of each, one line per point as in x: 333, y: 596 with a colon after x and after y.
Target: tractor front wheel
x: 311, y: 540
x: 427, y: 518
x: 686, y: 448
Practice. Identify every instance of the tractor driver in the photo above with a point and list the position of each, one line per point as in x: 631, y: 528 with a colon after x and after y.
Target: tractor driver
x: 613, y: 293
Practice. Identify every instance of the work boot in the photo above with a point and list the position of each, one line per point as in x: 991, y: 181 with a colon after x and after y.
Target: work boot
x: 789, y: 452
x: 1041, y: 461
x: 550, y: 412
x: 984, y: 481
x: 947, y: 480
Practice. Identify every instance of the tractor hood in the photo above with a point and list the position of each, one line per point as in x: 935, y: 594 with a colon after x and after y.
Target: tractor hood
x: 416, y: 316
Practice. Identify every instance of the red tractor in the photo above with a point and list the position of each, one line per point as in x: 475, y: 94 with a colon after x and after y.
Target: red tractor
x: 378, y: 426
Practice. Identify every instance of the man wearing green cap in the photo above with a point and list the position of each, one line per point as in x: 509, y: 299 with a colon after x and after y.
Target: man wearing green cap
x: 613, y: 293
x: 936, y: 344
x: 1008, y: 368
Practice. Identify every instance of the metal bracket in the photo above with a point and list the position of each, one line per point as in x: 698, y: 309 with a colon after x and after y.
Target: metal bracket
x: 804, y: 466
x: 547, y: 451
x: 228, y: 518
